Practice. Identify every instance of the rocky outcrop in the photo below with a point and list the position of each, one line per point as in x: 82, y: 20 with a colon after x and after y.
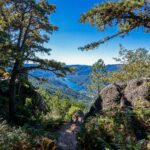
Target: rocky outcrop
x: 123, y: 95
x: 110, y: 96
x: 137, y: 90
x: 96, y: 107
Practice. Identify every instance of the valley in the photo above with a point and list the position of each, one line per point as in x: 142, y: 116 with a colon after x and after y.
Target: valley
x: 73, y: 86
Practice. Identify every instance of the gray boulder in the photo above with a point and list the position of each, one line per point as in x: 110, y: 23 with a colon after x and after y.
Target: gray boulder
x: 123, y: 95
x: 78, y: 117
x: 110, y: 96
x: 137, y: 90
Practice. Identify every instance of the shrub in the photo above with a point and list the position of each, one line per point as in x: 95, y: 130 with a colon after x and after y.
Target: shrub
x: 71, y: 111
x: 12, y: 138
x: 115, y: 129
x: 61, y: 109
x: 9, y: 137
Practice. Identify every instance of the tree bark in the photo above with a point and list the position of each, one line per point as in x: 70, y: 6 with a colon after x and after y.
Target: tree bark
x: 12, y: 93
x: 98, y: 91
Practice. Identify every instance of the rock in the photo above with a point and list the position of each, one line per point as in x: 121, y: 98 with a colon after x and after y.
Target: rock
x: 78, y: 117
x: 137, y: 90
x: 110, y: 96
x: 122, y: 95
x: 95, y: 108
x: 128, y: 94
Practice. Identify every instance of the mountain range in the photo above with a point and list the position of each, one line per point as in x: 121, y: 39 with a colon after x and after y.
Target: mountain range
x: 72, y: 86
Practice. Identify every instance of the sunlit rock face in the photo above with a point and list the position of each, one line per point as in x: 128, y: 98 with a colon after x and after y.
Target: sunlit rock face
x: 138, y: 90
x: 131, y: 94
x: 110, y: 96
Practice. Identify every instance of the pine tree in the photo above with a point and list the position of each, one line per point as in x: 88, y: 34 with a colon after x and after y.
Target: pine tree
x: 27, y: 26
x: 97, y: 76
x: 126, y: 15
x: 135, y: 65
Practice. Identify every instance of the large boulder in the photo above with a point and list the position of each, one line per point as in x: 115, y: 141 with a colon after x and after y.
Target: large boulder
x: 78, y: 117
x: 137, y: 90
x: 110, y: 96
x: 123, y: 95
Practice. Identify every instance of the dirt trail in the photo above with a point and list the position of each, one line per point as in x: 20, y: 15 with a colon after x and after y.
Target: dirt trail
x: 67, y: 137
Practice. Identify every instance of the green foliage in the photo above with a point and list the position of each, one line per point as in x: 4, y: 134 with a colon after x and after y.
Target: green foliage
x: 2, y: 71
x: 135, y: 65
x: 97, y: 75
x: 116, y: 129
x: 31, y: 104
x: 127, y: 15
x: 61, y: 109
x: 11, y: 136
x: 27, y: 26
x: 28, y: 102
x: 71, y: 111
x: 32, y: 123
x: 22, y: 138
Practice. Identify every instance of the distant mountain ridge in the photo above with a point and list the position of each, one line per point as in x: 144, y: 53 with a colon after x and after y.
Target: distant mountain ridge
x: 86, y: 69
x: 75, y: 83
x: 82, y: 74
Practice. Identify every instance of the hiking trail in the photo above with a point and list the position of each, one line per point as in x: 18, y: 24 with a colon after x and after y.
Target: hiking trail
x: 67, y: 136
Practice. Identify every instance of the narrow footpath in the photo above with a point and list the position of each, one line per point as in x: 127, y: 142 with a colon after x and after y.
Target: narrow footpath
x: 67, y: 136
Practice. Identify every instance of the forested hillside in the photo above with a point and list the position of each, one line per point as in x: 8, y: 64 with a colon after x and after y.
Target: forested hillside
x: 73, y: 86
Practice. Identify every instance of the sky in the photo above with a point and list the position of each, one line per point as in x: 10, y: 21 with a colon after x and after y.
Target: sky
x: 72, y: 34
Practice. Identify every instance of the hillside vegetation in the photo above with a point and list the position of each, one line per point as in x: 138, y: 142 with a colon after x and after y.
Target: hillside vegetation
x: 39, y: 116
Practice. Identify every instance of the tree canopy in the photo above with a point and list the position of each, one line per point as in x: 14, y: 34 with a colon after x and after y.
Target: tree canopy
x: 97, y: 77
x: 127, y: 15
x: 135, y: 65
x: 25, y: 27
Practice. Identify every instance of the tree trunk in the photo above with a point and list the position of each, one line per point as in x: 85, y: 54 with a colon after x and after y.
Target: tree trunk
x: 12, y: 93
x: 98, y: 91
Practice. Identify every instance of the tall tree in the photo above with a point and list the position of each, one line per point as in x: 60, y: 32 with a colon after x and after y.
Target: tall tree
x: 126, y: 15
x: 135, y: 65
x: 27, y: 26
x: 97, y: 76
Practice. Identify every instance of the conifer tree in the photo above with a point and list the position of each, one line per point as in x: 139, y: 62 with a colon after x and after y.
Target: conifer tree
x: 135, y: 65
x: 27, y: 26
x: 97, y: 77
x: 126, y: 15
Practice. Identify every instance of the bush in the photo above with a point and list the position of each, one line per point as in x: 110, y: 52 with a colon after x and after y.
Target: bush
x: 2, y: 71
x: 71, y: 111
x: 61, y: 109
x: 115, y: 129
x: 12, y: 138
x: 9, y: 137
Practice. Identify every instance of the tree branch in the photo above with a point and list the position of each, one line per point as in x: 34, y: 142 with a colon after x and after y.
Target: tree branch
x: 96, y: 44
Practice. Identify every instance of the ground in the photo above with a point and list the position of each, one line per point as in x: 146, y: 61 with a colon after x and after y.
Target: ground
x: 67, y: 136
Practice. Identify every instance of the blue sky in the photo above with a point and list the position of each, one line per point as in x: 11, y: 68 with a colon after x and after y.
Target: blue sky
x: 72, y: 34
